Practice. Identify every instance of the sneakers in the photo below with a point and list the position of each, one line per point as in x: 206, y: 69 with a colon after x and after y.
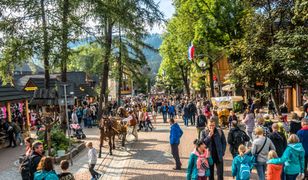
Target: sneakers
x: 177, y: 168
x: 98, y: 176
x: 21, y: 144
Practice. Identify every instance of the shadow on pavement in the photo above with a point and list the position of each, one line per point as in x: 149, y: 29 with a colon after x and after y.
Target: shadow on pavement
x: 157, y: 177
x: 152, y: 157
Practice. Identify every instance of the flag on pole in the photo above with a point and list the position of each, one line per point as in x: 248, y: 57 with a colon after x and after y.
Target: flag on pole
x: 191, y: 52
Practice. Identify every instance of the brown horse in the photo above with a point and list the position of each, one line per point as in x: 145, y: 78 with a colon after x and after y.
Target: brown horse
x: 109, y: 128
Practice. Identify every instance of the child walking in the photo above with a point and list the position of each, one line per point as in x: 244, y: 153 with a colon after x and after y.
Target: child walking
x: 92, y: 155
x: 199, y: 162
x: 274, y: 169
x: 242, y: 164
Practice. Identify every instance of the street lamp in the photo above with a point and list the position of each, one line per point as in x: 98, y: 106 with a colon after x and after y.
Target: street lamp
x: 67, y: 122
x: 202, y: 65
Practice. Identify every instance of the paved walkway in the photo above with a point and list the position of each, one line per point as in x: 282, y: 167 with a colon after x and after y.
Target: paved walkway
x: 148, y: 158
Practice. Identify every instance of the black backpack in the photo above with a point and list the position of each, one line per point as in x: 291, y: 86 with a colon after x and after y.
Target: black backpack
x: 240, y: 137
x: 201, y: 121
x: 25, y: 168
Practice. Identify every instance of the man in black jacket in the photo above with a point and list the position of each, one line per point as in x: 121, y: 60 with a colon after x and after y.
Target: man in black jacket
x: 192, y: 112
x: 35, y: 157
x: 236, y: 137
x: 278, y: 139
x: 214, y: 138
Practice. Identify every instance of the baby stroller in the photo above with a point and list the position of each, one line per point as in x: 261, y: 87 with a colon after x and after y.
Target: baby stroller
x: 78, y: 132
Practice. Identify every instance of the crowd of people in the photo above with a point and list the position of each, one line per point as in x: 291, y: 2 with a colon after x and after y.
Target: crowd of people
x: 36, y: 166
x: 275, y: 147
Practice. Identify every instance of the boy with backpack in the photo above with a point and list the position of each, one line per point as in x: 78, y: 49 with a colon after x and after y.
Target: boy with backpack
x: 242, y: 164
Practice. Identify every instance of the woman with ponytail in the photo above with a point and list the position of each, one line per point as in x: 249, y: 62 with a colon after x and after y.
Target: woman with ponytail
x: 242, y: 164
x: 199, y: 162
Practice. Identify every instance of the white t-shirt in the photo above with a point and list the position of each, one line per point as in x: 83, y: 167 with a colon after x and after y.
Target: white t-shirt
x: 92, y: 155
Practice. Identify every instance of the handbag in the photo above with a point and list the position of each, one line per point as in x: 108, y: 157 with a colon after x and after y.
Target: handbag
x: 255, y: 156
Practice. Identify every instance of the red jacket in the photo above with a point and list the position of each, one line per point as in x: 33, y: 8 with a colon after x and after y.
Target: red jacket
x: 274, y: 171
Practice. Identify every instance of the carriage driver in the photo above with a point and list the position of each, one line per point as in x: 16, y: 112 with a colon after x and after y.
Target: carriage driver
x: 132, y: 122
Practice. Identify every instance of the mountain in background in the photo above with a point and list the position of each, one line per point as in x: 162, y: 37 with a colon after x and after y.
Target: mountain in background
x: 153, y: 57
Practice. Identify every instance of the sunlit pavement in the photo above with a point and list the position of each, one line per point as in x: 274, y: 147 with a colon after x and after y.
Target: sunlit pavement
x: 148, y: 158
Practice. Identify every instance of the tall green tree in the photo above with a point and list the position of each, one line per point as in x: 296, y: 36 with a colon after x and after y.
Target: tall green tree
x: 132, y: 15
x: 274, y: 46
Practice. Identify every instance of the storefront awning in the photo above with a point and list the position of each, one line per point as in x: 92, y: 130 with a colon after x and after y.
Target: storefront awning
x: 10, y: 93
x: 229, y: 87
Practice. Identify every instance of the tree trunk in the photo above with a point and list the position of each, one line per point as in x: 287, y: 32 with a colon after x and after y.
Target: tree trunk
x: 275, y: 102
x: 120, y: 69
x: 49, y: 141
x: 64, y: 55
x: 104, y: 81
x: 184, y: 74
x: 45, y: 46
x: 211, y: 77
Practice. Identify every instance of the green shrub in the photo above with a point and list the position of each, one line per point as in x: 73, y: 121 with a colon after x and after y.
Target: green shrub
x: 59, y: 141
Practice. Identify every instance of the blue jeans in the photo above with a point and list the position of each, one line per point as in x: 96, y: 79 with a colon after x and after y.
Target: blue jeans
x: 89, y: 122
x: 185, y: 120
x: 85, y: 122
x: 18, y: 137
x: 165, y: 117
x: 291, y: 176
x: 261, y: 167
x: 171, y: 116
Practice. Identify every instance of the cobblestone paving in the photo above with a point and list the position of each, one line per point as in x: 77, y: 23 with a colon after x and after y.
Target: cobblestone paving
x: 148, y: 158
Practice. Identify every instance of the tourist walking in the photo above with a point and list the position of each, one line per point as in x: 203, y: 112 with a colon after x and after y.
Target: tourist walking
x: 278, y: 139
x: 175, y: 136
x: 92, y: 155
x: 303, y: 137
x: 271, y: 108
x: 192, y: 112
x: 65, y: 174
x: 273, y: 169
x: 295, y: 123
x: 242, y: 164
x: 250, y: 125
x: 28, y: 143
x: 199, y: 162
x: 185, y: 114
x: 171, y: 110
x: 45, y: 170
x: 164, y: 110
x: 36, y: 157
x: 232, y: 117
x: 201, y: 123
x: 260, y: 148
x: 214, y: 138
x: 10, y: 132
x: 17, y: 132
x: 236, y: 137
x: 293, y: 159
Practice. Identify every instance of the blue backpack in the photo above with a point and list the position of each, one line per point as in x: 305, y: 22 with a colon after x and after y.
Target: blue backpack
x: 245, y: 171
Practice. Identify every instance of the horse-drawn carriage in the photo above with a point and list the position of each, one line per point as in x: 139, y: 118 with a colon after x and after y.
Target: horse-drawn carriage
x: 115, y: 126
x: 223, y: 106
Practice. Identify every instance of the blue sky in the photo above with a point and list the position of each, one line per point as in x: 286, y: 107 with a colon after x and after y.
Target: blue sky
x: 168, y: 9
